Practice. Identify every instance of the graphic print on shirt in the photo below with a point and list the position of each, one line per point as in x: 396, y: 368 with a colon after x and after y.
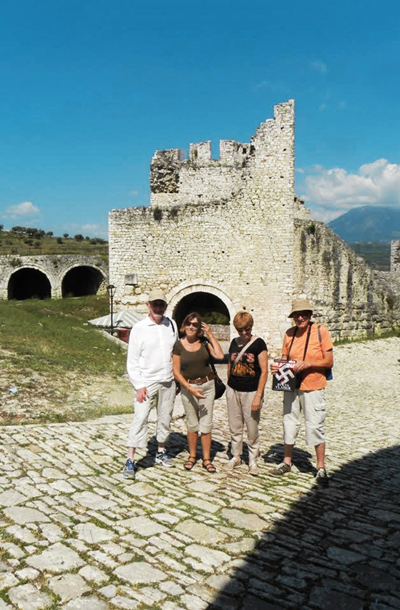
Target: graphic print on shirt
x: 245, y: 367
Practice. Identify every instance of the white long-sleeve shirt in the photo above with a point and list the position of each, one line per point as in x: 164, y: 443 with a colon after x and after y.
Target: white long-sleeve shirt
x: 149, y: 352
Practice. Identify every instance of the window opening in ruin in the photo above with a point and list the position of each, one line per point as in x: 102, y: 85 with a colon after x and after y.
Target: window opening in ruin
x: 81, y: 281
x: 28, y: 283
x: 209, y: 306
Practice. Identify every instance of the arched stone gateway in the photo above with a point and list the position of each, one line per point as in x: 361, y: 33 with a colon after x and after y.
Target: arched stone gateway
x: 209, y: 301
x: 29, y: 283
x: 81, y: 281
x: 213, y: 310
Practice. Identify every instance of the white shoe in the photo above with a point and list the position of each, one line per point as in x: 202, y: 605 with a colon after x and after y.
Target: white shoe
x: 253, y: 468
x: 233, y: 463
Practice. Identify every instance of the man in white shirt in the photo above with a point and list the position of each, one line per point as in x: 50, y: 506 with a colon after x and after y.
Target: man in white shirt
x: 149, y: 368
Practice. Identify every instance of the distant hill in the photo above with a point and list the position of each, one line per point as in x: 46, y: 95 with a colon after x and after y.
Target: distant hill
x: 25, y: 241
x: 368, y: 224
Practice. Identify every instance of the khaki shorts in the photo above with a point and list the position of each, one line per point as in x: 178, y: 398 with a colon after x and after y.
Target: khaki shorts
x: 313, y: 403
x: 199, y: 412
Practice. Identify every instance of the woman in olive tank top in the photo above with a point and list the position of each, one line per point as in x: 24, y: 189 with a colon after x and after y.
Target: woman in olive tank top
x: 191, y: 362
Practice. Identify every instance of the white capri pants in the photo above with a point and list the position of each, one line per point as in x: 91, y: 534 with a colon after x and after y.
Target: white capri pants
x: 138, y: 431
x: 313, y: 403
x: 199, y: 411
x: 239, y: 415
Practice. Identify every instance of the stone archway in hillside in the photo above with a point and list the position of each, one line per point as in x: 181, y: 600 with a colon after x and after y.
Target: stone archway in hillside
x: 28, y: 283
x: 81, y: 281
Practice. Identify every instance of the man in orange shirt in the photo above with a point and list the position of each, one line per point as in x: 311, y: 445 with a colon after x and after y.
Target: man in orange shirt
x: 310, y: 345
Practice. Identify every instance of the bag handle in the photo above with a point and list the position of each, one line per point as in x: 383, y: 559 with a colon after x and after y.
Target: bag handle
x: 240, y: 354
x: 211, y: 363
x: 308, y: 339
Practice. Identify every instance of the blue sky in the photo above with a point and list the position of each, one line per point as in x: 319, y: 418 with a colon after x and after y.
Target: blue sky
x: 91, y: 89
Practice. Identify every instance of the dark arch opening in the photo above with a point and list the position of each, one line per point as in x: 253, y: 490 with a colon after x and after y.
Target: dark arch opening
x: 212, y: 308
x: 29, y: 283
x: 81, y: 281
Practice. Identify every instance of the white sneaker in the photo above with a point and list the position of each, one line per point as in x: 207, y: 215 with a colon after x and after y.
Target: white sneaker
x: 233, y: 463
x: 253, y: 468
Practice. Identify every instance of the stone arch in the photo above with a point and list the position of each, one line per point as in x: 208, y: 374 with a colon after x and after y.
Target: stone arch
x: 28, y: 283
x: 183, y: 293
x: 81, y: 280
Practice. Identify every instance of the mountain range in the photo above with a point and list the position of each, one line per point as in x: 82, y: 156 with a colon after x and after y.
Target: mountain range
x: 368, y: 224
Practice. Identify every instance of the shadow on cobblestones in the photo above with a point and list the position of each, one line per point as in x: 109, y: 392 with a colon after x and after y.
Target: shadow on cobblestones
x: 335, y: 549
x: 177, y: 443
x: 301, y: 458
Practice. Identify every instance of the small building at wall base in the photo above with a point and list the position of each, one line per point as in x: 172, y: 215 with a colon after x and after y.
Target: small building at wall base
x: 229, y: 234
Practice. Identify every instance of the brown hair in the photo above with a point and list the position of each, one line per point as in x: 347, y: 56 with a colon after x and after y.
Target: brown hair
x: 190, y: 318
x: 243, y: 319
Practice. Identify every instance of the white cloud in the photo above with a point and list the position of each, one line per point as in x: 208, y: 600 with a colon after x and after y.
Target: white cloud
x: 20, y: 210
x: 90, y: 230
x: 332, y: 192
x: 95, y: 230
x: 319, y: 66
x: 271, y: 85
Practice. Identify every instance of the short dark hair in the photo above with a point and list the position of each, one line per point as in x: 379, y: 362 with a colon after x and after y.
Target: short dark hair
x: 189, y: 318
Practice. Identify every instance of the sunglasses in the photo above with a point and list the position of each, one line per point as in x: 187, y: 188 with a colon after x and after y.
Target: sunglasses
x: 302, y: 314
x: 194, y: 324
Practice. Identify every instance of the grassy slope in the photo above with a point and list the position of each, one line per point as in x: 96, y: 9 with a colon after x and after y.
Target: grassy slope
x: 19, y: 245
x: 377, y: 255
x: 54, y: 335
x: 63, y: 367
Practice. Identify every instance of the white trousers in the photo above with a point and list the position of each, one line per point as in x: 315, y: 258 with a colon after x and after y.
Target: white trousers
x: 313, y: 403
x: 165, y: 394
x: 239, y: 415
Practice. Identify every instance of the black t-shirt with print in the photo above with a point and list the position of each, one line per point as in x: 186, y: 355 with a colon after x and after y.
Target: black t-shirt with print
x: 245, y: 375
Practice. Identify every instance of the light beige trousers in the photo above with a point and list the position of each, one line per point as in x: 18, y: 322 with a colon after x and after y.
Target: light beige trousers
x: 240, y: 415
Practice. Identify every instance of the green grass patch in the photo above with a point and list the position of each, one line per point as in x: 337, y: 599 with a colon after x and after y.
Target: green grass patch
x: 53, y: 335
x: 387, y: 334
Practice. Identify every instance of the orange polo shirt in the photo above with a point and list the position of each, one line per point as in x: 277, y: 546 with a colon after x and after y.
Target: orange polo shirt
x: 312, y: 379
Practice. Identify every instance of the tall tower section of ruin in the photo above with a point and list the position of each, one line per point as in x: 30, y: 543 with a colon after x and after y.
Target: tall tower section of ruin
x: 220, y: 227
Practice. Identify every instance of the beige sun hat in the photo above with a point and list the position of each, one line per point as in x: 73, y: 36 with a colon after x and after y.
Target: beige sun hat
x: 157, y: 295
x: 300, y: 305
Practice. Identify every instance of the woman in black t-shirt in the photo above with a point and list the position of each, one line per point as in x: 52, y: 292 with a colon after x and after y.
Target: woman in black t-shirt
x: 247, y: 377
x: 191, y: 362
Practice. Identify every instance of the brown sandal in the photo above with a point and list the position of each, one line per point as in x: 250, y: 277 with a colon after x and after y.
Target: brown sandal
x: 190, y: 462
x: 209, y: 466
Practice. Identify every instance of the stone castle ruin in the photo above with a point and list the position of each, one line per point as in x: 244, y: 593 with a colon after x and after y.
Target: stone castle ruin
x: 229, y: 234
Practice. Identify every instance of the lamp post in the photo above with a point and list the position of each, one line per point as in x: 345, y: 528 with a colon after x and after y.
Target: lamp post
x: 111, y: 293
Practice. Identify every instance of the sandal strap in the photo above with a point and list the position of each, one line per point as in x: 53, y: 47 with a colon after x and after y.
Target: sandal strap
x: 209, y: 466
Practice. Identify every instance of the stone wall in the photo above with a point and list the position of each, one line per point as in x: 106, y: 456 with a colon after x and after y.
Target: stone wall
x: 349, y: 296
x: 395, y: 256
x: 53, y: 266
x: 233, y: 228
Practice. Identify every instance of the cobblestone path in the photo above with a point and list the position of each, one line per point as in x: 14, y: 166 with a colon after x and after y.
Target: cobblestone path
x: 76, y: 535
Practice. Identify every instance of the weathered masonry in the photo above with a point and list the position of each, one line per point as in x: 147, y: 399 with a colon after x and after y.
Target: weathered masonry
x: 230, y: 234
x: 46, y: 276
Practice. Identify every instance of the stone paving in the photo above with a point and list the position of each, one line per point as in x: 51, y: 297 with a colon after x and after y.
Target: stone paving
x: 76, y: 535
